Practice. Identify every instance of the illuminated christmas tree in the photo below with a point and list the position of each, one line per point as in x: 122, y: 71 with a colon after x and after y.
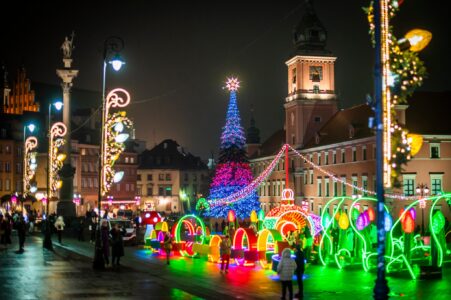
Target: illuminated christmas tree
x: 232, y: 171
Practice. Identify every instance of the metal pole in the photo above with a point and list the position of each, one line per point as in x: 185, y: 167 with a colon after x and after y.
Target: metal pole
x: 25, y: 165
x: 381, y: 289
x: 99, y: 263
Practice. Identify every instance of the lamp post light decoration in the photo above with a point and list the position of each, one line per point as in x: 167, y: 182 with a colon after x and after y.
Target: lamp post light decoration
x: 115, y: 137
x: 30, y: 166
x: 422, y: 190
x: 112, y: 138
x: 56, y: 140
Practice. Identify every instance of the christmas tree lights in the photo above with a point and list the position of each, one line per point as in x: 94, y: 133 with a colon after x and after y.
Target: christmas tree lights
x: 233, y: 173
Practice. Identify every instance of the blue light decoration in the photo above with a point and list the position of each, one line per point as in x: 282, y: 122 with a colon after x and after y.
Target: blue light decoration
x: 232, y: 172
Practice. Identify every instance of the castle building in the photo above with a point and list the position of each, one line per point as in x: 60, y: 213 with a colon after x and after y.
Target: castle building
x: 170, y: 179
x: 340, y: 142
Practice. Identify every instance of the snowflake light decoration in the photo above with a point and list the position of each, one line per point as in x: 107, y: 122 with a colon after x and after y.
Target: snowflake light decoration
x: 232, y: 84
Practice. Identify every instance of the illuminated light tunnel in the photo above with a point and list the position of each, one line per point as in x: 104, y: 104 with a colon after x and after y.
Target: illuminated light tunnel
x: 193, y: 234
x: 267, y: 245
x: 244, y: 247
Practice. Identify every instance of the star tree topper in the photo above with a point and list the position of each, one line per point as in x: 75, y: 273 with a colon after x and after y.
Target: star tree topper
x: 232, y: 84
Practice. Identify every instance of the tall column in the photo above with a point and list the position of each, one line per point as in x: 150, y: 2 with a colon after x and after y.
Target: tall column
x: 65, y: 205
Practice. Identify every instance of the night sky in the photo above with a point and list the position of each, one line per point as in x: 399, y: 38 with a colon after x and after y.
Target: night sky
x: 179, y: 55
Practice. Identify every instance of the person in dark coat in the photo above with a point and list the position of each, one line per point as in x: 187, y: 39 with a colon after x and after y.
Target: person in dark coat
x: 21, y: 231
x: 105, y: 235
x: 117, y: 245
x: 167, y: 245
x: 81, y: 229
x: 300, y: 263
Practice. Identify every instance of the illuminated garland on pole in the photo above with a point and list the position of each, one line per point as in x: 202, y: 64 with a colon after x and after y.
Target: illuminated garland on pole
x: 30, y: 164
x: 113, y: 138
x: 115, y: 125
x: 406, y: 72
x: 57, y: 132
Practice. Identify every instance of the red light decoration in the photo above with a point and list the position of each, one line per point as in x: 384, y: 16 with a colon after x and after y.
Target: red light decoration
x: 401, y: 214
x: 231, y: 216
x: 408, y: 224
x: 371, y: 214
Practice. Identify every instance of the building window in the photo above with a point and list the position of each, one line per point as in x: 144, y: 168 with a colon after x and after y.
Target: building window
x: 161, y: 177
x: 311, y: 177
x: 408, y: 184
x: 354, y: 154
x: 326, y: 158
x: 186, y: 177
x: 343, y: 156
x: 168, y: 177
x: 149, y: 177
x: 320, y: 209
x: 138, y: 177
x: 160, y: 191
x: 7, y: 149
x: 18, y: 168
x: 96, y: 182
x: 7, y: 167
x: 118, y: 187
x: 335, y: 188
x: 149, y: 190
x: 316, y: 73
x: 311, y: 157
x: 126, y: 159
x: 317, y: 119
x: 168, y: 191
x: 327, y: 188
x: 436, y: 183
x: 365, y: 185
x: 334, y: 157
x: 319, y: 159
x: 343, y: 186
x: 1, y: 184
x: 127, y: 187
x: 194, y: 177
x: 320, y: 194
x: 355, y: 183
x: 363, y: 153
x: 7, y: 184
x: 435, y: 150
x: 132, y: 160
x: 305, y: 178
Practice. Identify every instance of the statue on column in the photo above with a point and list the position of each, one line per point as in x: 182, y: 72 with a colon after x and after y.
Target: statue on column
x: 68, y: 46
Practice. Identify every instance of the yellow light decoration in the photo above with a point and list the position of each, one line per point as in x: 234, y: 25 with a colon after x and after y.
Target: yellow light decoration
x: 254, y: 217
x: 415, y: 141
x: 61, y: 157
x: 343, y: 221
x: 59, y: 184
x: 418, y: 39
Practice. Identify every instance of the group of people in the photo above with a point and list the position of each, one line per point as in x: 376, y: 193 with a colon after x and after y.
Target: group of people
x: 7, y: 223
x: 114, y: 239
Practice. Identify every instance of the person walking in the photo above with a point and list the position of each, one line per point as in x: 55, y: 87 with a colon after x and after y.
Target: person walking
x: 286, y: 269
x: 117, y: 246
x: 300, y: 263
x: 167, y: 243
x: 59, y: 225
x: 81, y: 229
x: 105, y: 235
x: 21, y: 231
x: 93, y: 228
x: 225, y: 249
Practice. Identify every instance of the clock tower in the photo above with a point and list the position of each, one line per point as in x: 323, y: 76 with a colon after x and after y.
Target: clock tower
x: 311, y: 99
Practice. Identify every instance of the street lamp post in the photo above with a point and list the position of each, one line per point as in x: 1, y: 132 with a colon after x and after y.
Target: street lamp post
x: 29, y: 162
x: 422, y: 190
x: 112, y: 45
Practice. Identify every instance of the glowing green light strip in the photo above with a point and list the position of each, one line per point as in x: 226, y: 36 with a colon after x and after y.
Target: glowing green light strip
x: 326, y: 233
x: 177, y: 232
x: 338, y: 254
x: 439, y: 246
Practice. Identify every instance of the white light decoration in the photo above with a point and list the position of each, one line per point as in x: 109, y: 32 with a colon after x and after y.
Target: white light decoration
x: 118, y: 176
x: 232, y: 84
x: 31, y: 127
x: 120, y: 138
x: 33, y: 189
x: 33, y: 167
x: 58, y: 105
x: 147, y: 215
x: 119, y: 127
